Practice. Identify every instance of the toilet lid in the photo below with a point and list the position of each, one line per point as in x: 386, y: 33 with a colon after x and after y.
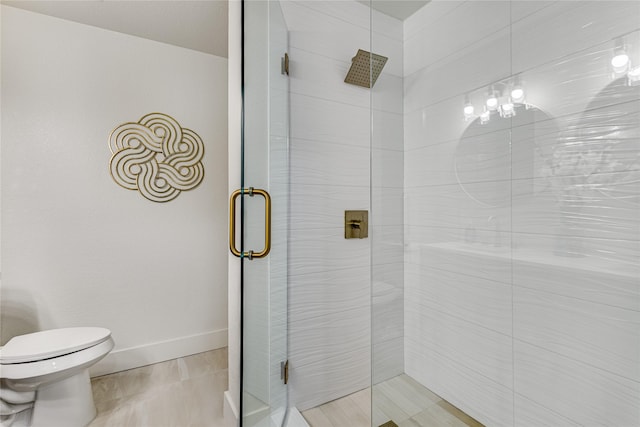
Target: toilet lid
x: 51, y: 343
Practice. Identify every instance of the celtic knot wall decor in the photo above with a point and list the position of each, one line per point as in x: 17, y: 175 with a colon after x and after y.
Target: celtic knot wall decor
x: 157, y: 157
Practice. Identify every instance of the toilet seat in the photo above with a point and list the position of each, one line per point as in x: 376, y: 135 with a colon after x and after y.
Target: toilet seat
x: 50, y: 344
x: 45, y: 379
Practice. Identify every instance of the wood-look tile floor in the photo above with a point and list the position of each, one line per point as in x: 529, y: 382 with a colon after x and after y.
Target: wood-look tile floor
x: 183, y: 392
x: 400, y: 399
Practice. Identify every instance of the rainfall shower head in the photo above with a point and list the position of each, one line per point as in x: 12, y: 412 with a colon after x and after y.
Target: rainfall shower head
x: 365, y: 68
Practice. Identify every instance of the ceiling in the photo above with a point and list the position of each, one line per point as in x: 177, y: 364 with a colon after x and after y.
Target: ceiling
x: 198, y: 25
x: 399, y: 9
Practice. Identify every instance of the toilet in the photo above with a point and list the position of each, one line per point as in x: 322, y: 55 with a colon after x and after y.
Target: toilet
x: 44, y: 377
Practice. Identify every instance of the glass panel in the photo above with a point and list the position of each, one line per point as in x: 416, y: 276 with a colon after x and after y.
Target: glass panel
x: 266, y: 167
x: 576, y: 214
x: 457, y: 301
x: 329, y: 296
x: 387, y: 216
x: 521, y: 217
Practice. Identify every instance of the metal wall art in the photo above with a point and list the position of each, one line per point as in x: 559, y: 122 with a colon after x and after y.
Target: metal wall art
x: 157, y: 157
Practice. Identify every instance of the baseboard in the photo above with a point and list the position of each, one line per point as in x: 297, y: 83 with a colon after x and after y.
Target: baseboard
x: 230, y: 411
x: 147, y: 354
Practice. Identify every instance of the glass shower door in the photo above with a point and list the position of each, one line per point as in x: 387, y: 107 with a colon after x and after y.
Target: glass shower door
x: 264, y: 212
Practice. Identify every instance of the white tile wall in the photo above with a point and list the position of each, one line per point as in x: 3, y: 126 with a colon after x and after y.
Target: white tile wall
x: 568, y: 28
x: 317, y: 119
x: 470, y: 68
x: 530, y: 414
x: 432, y: 41
x: 486, y: 243
x: 483, y: 302
x: 605, y: 283
x: 596, y: 334
x: 522, y: 236
x: 475, y: 394
x: 328, y: 291
x: 337, y: 375
x: 583, y: 393
x: 322, y: 206
x: 332, y: 163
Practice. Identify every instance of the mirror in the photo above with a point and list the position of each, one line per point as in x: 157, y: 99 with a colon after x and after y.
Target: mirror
x: 500, y: 150
x: 598, y: 155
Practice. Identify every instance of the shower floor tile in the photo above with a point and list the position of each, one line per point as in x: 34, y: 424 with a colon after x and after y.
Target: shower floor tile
x: 400, y: 399
x: 182, y: 392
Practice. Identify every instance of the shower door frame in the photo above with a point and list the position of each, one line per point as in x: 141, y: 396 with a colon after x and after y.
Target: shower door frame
x: 264, y: 166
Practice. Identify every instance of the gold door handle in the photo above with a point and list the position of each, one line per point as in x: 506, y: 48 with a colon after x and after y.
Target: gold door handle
x: 267, y: 223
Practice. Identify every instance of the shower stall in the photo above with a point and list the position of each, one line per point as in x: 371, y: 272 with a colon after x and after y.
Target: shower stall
x: 498, y: 158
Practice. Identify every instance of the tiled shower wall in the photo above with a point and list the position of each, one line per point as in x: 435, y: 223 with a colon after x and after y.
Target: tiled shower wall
x: 330, y: 278
x: 522, y: 280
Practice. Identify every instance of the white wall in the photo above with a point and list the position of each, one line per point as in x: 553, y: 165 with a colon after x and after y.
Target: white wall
x: 330, y: 277
x: 523, y: 302
x: 77, y: 248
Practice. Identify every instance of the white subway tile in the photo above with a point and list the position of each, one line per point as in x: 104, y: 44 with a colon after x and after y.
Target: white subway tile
x: 579, y: 278
x: 318, y: 119
x: 566, y: 27
x: 328, y: 292
x: 582, y: 393
x: 323, y: 206
x: 471, y: 22
x: 485, y: 400
x: 598, y: 335
x: 327, y: 163
x: 329, y: 378
x: 315, y: 339
x: 480, y: 301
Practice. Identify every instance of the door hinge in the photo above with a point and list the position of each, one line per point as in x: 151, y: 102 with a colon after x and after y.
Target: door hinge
x: 284, y: 64
x: 284, y: 371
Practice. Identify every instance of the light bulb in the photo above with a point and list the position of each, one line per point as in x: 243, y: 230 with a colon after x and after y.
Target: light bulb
x: 468, y: 110
x: 620, y: 60
x: 507, y: 109
x: 485, y: 117
x: 492, y: 102
x: 517, y: 94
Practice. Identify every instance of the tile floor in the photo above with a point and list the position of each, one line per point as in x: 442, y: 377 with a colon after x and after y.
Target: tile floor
x: 188, y: 392
x: 184, y: 392
x: 400, y: 399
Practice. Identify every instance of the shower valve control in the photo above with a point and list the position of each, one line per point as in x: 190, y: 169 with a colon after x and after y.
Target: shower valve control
x: 356, y: 224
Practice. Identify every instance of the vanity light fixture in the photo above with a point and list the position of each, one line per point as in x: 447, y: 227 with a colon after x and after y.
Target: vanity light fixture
x: 502, y: 97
